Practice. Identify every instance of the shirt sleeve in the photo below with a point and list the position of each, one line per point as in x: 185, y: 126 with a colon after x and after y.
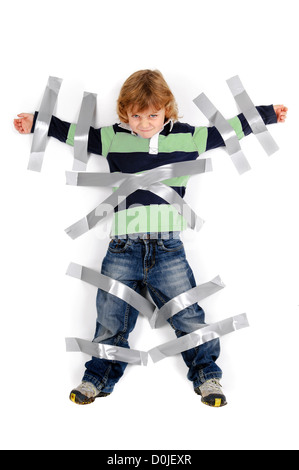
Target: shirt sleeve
x: 208, y: 138
x: 65, y: 132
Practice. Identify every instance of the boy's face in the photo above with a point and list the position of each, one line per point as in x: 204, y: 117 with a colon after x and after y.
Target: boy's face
x: 148, y: 123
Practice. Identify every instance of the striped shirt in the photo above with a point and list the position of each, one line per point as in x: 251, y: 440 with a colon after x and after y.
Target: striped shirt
x: 144, y: 211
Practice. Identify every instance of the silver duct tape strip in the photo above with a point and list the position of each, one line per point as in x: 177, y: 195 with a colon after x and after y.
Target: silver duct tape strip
x: 172, y: 197
x: 43, y: 123
x: 107, y: 351
x: 161, y: 173
x: 74, y: 178
x: 86, y: 114
x: 198, y: 337
x: 114, y: 287
x: 184, y: 300
x: 253, y: 117
x: 227, y: 132
x: 131, y: 184
x: 96, y: 215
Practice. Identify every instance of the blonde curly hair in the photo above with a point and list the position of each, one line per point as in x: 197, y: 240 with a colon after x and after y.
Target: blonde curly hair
x: 146, y: 89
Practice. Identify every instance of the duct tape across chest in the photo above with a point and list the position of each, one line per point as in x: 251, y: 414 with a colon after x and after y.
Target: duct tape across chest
x: 151, y: 180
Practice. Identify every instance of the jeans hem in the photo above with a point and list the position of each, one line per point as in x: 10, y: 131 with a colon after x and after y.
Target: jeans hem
x: 205, y: 377
x: 98, y: 384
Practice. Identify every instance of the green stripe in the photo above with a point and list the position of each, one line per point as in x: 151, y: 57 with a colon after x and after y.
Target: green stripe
x: 153, y: 218
x: 200, y: 138
x: 178, y: 181
x: 237, y: 126
x: 180, y: 142
x: 128, y: 143
x: 107, y: 136
x: 71, y: 135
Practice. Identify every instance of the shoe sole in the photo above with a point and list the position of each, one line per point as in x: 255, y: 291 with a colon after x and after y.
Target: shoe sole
x: 80, y: 399
x: 213, y: 400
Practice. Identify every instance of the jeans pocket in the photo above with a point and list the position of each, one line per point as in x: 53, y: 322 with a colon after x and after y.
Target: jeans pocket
x: 174, y: 244
x: 118, y: 246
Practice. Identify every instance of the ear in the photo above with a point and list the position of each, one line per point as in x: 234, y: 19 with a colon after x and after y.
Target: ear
x: 167, y: 113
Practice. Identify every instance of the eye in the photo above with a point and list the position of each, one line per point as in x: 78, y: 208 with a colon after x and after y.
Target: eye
x: 153, y: 116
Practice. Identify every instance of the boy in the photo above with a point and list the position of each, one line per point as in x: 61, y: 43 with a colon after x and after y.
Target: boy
x: 149, y: 136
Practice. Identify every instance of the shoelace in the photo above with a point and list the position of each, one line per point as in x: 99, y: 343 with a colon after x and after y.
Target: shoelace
x: 212, y: 386
x: 88, y: 388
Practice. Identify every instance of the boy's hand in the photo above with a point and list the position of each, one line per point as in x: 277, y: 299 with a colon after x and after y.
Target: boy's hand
x: 24, y: 124
x: 281, y: 112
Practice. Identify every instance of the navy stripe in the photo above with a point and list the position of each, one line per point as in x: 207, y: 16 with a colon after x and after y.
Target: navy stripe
x: 166, y: 129
x: 214, y: 139
x: 94, y: 141
x: 59, y: 129
x: 267, y: 113
x: 117, y: 129
x: 135, y: 162
x: 182, y: 128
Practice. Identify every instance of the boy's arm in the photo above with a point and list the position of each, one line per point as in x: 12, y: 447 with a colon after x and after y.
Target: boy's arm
x: 65, y: 132
x: 270, y: 115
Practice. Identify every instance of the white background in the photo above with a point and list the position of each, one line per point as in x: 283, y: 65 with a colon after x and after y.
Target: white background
x: 250, y: 237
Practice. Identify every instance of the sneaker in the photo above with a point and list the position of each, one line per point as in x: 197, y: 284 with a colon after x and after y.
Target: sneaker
x: 86, y: 393
x: 211, y: 393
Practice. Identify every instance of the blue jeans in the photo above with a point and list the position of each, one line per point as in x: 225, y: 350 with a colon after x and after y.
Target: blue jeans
x: 161, y: 266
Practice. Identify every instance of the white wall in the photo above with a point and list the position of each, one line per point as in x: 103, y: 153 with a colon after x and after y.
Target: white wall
x: 250, y: 237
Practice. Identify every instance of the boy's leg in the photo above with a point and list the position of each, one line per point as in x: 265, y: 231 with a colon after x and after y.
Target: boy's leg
x: 116, y: 319
x: 170, y: 277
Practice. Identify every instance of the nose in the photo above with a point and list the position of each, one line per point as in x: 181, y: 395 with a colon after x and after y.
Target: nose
x: 144, y: 123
